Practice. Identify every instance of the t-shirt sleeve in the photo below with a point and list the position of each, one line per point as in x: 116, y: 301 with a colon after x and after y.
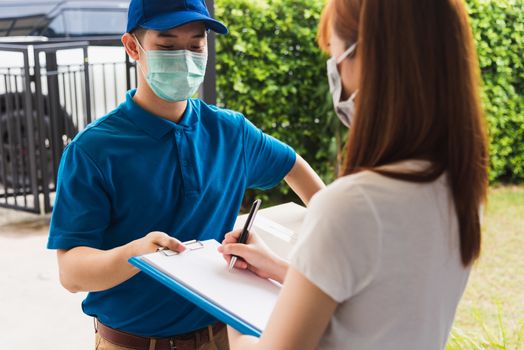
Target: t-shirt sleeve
x: 268, y: 160
x: 81, y: 211
x: 339, y: 244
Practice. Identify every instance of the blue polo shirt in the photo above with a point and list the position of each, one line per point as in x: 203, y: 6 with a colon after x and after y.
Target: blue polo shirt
x: 131, y: 173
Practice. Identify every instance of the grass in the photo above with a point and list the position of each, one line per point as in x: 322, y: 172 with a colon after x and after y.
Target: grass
x: 491, y: 312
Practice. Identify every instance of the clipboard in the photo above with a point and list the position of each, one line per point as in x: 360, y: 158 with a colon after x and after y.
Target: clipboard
x: 239, y: 298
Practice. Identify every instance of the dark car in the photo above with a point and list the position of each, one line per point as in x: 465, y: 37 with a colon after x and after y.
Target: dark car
x: 62, y: 19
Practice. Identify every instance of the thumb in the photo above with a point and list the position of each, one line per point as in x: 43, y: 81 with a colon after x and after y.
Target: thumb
x: 172, y: 244
x: 175, y: 245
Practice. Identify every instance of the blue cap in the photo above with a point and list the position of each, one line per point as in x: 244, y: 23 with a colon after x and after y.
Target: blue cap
x: 163, y: 15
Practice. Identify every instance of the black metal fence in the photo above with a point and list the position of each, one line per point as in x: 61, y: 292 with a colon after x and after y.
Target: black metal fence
x: 18, y: 152
x: 43, y: 105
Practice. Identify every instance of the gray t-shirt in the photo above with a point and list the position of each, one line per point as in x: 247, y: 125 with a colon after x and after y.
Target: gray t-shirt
x: 388, y: 252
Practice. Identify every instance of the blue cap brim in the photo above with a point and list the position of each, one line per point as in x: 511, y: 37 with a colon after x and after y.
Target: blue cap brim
x: 176, y: 19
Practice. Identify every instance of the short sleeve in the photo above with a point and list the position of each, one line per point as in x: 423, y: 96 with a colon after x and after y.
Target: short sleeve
x: 339, y: 245
x: 268, y: 160
x: 81, y: 211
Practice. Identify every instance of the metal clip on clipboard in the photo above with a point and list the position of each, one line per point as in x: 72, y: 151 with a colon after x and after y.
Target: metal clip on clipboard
x: 190, y: 245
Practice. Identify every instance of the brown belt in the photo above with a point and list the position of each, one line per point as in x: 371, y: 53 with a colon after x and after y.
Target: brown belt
x: 188, y: 341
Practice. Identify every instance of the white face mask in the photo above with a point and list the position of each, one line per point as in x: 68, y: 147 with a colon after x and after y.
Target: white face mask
x: 344, y: 109
x: 174, y: 75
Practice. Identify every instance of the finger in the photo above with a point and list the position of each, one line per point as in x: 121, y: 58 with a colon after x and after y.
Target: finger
x: 221, y: 249
x: 240, y: 250
x: 241, y: 264
x: 252, y: 237
x: 234, y: 235
x: 229, y: 239
x: 227, y: 257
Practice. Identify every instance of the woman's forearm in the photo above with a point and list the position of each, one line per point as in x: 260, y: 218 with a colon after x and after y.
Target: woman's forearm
x: 279, y: 270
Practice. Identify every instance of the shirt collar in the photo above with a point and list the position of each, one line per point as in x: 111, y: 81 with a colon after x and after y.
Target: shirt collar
x: 154, y: 125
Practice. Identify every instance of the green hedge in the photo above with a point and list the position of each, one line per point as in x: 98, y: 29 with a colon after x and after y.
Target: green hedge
x: 270, y: 68
x: 499, y: 32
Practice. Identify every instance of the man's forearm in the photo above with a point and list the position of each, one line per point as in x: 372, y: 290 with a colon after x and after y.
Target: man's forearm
x: 84, y: 269
x: 303, y: 180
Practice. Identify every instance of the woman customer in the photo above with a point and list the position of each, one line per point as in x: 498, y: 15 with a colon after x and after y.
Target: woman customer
x: 385, y: 251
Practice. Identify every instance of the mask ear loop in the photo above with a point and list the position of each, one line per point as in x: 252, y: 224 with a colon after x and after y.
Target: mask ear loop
x: 138, y: 42
x: 346, y: 53
x: 144, y: 51
x: 342, y: 57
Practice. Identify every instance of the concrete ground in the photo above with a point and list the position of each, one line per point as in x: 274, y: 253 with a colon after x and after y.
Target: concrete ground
x: 36, y: 312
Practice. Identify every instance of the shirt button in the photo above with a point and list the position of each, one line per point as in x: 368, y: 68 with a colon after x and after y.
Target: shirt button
x: 186, y: 163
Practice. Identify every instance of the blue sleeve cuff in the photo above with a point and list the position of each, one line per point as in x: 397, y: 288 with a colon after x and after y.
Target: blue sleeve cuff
x: 66, y: 241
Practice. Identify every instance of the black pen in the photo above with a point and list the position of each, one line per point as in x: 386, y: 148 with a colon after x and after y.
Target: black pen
x: 245, y: 231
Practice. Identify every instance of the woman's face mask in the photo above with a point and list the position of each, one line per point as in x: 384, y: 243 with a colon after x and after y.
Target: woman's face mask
x: 345, y: 109
x: 174, y: 75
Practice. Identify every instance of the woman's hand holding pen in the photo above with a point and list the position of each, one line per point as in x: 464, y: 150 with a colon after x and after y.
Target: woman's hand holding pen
x: 255, y: 255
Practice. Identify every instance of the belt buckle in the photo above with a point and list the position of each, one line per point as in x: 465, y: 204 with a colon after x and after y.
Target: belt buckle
x: 172, y: 344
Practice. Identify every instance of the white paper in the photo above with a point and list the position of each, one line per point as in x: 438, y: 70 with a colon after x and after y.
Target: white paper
x: 205, y: 272
x: 269, y: 226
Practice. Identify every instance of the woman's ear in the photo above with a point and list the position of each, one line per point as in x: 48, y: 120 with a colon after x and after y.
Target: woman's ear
x: 131, y: 46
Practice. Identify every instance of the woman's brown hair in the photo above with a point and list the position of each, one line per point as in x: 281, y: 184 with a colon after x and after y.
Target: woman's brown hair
x: 418, y: 98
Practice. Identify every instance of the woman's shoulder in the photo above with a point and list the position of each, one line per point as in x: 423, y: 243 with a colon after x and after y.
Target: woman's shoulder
x: 355, y: 185
x: 370, y: 179
x: 345, y: 197
x: 374, y: 188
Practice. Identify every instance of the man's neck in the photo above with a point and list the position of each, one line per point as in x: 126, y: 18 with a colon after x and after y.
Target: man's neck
x: 149, y: 101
